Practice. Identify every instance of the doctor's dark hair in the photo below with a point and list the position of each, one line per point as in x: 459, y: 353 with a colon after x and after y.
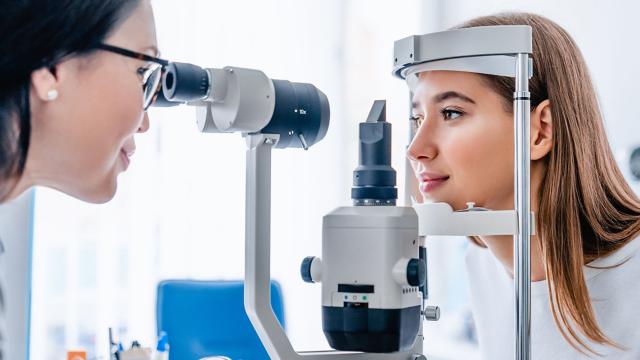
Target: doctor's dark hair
x: 587, y: 210
x: 36, y: 34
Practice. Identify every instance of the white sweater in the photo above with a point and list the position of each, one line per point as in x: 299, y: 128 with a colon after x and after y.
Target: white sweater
x: 3, y: 341
x: 615, y: 295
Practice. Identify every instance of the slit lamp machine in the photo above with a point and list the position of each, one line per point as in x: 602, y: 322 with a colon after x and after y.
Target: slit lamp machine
x: 373, y: 266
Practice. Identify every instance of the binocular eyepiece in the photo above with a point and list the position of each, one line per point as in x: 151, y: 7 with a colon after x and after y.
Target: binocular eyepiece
x: 247, y: 101
x: 185, y: 82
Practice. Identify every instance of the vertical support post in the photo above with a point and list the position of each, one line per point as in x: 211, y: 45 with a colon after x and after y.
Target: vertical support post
x: 257, y: 276
x: 522, y: 198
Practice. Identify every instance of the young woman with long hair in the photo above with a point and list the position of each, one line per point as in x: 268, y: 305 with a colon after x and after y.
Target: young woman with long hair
x: 584, y: 258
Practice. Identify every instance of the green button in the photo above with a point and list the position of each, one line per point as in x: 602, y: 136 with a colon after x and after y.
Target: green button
x: 364, y: 297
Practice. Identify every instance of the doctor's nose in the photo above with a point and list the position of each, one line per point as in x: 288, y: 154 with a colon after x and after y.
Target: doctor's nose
x: 144, y: 126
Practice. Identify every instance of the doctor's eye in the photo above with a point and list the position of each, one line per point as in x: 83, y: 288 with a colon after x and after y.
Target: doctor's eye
x: 143, y: 72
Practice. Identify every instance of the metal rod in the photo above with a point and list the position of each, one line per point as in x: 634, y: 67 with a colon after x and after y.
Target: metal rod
x: 522, y: 198
x: 257, y: 275
x: 410, y: 181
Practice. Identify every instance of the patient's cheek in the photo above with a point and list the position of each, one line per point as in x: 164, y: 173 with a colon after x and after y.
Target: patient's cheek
x: 467, y: 151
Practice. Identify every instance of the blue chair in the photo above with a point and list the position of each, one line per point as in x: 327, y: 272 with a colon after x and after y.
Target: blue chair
x: 207, y: 318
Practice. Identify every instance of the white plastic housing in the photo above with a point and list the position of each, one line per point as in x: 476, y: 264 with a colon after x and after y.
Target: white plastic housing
x: 241, y: 100
x: 439, y: 219
x: 361, y: 245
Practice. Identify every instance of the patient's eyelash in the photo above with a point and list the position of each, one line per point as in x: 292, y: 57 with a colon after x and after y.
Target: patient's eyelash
x: 447, y: 114
x: 416, y: 119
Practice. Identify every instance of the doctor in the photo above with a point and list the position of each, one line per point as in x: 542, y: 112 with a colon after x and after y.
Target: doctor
x: 76, y: 79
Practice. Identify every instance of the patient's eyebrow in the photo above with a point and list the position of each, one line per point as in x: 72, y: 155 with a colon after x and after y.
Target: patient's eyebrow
x: 452, y: 95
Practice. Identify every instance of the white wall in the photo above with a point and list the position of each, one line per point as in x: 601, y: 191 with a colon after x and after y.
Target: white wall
x: 179, y: 212
x: 15, y: 275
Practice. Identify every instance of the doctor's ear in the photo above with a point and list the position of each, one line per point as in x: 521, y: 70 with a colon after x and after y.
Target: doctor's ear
x: 44, y: 83
x: 541, y: 130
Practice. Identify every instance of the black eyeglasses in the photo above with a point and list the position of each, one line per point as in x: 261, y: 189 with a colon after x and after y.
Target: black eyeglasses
x: 151, y: 76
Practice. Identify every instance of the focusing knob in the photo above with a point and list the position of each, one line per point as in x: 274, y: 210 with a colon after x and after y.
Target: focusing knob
x: 432, y: 313
x: 634, y: 163
x: 311, y: 268
x: 416, y: 272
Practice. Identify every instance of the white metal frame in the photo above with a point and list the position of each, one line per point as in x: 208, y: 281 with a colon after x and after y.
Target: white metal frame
x: 494, y: 50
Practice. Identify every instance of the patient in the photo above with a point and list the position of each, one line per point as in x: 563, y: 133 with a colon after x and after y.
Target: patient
x: 583, y: 258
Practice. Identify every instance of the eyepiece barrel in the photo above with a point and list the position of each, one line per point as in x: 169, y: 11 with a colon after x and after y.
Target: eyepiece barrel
x: 185, y: 82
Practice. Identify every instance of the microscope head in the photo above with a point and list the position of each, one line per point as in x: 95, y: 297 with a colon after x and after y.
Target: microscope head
x: 247, y: 101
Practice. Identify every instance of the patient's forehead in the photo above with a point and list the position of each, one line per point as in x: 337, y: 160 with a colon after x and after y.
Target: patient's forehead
x: 432, y: 83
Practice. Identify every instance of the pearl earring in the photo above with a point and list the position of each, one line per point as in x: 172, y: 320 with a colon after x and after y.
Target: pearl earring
x: 52, y: 95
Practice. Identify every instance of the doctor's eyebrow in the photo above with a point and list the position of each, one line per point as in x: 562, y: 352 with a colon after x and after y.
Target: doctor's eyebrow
x: 154, y: 49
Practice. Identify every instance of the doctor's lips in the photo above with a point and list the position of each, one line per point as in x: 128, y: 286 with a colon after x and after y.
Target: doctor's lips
x: 126, y: 155
x: 430, y: 181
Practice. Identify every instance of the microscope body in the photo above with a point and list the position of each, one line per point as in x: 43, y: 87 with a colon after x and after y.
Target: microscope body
x: 371, y: 268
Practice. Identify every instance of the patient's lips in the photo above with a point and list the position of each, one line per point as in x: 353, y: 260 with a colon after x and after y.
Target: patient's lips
x: 430, y: 181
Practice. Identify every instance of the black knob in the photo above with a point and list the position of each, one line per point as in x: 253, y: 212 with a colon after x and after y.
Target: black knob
x: 634, y: 163
x: 305, y: 269
x: 416, y: 272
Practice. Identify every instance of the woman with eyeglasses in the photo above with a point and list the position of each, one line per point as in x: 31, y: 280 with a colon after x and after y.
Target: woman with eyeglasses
x: 76, y: 79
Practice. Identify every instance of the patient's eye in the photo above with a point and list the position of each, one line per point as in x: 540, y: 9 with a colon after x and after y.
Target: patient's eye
x: 451, y: 114
x: 417, y: 120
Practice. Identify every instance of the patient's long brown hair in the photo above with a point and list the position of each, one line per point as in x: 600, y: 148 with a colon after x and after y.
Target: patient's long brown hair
x: 587, y: 210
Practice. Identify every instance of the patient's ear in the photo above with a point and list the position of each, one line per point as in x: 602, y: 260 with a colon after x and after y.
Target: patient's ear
x: 541, y: 131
